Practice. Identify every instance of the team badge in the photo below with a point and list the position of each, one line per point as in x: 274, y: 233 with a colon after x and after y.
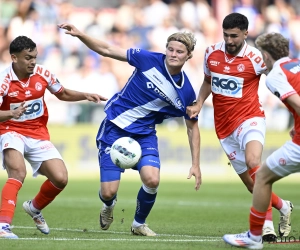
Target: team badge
x: 241, y: 67
x: 38, y: 86
x: 282, y: 162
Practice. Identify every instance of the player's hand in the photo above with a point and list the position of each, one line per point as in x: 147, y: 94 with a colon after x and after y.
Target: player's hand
x: 18, y: 112
x: 193, y: 111
x: 292, y: 132
x: 95, y: 98
x: 195, y: 171
x: 71, y: 29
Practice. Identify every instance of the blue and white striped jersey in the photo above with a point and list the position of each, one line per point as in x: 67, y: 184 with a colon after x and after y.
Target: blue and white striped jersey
x: 150, y: 95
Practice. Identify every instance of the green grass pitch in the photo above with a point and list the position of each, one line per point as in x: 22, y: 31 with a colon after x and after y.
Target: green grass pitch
x: 183, y: 218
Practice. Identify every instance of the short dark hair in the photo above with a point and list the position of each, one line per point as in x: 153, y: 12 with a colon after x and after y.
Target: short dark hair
x: 21, y: 43
x: 235, y: 20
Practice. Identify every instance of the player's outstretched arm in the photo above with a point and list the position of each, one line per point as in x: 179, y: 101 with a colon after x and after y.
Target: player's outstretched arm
x: 204, y: 92
x: 96, y: 45
x: 194, y: 141
x: 69, y: 95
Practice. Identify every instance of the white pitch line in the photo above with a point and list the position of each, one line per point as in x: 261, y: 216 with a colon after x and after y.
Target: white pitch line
x: 114, y: 232
x: 140, y: 240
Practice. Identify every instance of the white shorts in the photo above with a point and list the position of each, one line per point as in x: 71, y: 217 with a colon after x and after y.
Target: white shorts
x: 234, y: 145
x: 285, y: 160
x: 34, y: 151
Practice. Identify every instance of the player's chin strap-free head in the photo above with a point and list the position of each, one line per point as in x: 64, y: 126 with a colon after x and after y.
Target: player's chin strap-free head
x: 186, y: 38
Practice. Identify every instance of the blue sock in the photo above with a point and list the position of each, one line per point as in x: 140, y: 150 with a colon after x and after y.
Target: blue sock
x: 145, y: 202
x: 107, y: 202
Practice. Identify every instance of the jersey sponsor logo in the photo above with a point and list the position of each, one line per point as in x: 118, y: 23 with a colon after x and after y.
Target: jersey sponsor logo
x: 13, y: 94
x: 226, y: 85
x: 38, y: 86
x: 164, y: 88
x: 256, y: 58
x: 293, y: 67
x: 34, y: 110
x: 231, y: 156
x: 214, y: 63
x: 241, y: 67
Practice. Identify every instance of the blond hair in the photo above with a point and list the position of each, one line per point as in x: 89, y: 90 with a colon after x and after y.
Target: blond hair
x: 186, y: 38
x: 273, y: 43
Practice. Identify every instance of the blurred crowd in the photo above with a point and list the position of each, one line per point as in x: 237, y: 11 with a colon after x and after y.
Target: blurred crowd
x: 142, y: 24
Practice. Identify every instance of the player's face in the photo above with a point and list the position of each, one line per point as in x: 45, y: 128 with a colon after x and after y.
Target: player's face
x: 176, y: 56
x: 267, y: 61
x: 234, y: 40
x: 24, y: 62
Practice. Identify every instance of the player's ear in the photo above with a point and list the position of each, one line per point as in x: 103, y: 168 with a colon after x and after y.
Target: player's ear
x: 190, y: 56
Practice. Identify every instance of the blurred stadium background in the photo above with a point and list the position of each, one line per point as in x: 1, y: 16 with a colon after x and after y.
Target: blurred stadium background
x: 144, y: 24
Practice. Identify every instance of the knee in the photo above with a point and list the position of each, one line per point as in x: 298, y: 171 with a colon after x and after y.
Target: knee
x: 61, y: 180
x: 151, y: 182
x: 18, y: 174
x: 252, y: 162
x: 107, y: 194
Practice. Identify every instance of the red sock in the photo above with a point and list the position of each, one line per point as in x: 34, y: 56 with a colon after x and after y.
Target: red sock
x: 47, y: 194
x: 256, y: 220
x: 9, y: 200
x: 276, y: 201
x: 252, y: 172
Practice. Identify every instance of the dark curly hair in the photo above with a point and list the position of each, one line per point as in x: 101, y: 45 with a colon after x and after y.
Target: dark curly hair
x: 21, y: 43
x: 235, y: 20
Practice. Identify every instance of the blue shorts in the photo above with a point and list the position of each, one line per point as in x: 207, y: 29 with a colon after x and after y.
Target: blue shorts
x: 108, y: 133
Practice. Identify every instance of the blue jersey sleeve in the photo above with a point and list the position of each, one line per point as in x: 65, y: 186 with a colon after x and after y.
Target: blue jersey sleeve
x: 142, y: 59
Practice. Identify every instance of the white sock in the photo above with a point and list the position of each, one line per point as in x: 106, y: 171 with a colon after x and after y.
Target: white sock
x: 136, y: 224
x: 285, y: 208
x: 256, y: 238
x: 33, y: 209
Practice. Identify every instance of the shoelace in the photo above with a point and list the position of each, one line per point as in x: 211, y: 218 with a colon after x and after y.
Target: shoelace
x: 107, y: 211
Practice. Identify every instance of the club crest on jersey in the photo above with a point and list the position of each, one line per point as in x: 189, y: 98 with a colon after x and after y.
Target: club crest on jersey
x: 241, y: 67
x: 38, y: 86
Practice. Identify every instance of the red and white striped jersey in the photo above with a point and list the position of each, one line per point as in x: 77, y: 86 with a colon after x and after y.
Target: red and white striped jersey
x: 13, y: 92
x: 234, y: 85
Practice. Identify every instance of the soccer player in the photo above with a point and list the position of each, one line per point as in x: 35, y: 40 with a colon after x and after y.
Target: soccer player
x: 24, y: 133
x: 232, y: 71
x: 158, y: 89
x: 284, y: 82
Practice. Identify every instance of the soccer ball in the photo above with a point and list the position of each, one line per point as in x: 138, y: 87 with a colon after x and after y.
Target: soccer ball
x: 125, y: 152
